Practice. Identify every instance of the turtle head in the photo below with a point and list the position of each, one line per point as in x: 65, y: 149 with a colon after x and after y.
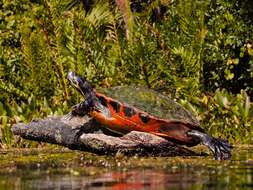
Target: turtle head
x: 79, y: 83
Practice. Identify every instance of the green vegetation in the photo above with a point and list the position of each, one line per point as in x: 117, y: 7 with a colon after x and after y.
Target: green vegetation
x: 199, y: 53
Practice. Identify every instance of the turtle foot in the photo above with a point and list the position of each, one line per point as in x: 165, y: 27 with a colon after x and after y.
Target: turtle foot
x: 219, y: 147
x: 77, y: 111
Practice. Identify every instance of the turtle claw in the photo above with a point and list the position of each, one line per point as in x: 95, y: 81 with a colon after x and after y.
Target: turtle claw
x: 219, y: 147
x: 68, y: 116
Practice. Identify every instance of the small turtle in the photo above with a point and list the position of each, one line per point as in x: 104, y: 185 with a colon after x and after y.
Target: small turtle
x: 126, y: 108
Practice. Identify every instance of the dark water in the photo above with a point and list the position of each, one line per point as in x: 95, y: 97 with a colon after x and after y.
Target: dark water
x: 102, y: 173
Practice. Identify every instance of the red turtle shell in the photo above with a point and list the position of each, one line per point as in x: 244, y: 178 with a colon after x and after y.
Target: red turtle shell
x: 141, y: 109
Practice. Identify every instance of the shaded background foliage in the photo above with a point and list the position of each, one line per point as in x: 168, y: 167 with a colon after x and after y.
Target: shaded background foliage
x: 228, y: 60
x: 197, y: 52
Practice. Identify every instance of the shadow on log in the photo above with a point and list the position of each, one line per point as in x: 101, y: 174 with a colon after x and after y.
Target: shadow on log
x: 85, y: 134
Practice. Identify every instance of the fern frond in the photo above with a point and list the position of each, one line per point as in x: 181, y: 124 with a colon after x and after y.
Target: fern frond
x: 10, y: 89
x: 69, y: 4
x: 100, y: 15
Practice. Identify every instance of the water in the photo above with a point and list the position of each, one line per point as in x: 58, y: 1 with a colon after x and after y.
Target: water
x: 77, y: 170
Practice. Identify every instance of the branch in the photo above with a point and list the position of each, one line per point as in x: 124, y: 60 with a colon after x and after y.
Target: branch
x: 86, y: 135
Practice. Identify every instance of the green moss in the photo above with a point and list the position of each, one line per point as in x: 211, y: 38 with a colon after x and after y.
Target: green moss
x: 65, y: 158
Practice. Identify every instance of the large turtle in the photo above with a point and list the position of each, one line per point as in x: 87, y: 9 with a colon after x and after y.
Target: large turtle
x: 126, y: 108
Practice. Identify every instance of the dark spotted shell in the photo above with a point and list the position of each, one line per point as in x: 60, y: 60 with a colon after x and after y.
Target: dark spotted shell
x: 150, y: 101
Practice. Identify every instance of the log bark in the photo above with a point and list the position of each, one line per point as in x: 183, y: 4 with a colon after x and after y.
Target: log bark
x: 83, y: 133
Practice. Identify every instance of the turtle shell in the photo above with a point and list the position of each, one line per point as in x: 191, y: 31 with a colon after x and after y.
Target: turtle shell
x: 151, y: 102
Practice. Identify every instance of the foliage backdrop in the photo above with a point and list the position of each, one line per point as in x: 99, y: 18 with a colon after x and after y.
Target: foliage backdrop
x: 198, y: 52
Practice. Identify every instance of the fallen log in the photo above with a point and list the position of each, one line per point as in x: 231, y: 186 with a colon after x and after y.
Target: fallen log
x: 83, y: 133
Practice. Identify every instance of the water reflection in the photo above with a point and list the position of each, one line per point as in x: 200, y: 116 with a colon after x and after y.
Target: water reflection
x: 235, y: 174
x: 144, y: 179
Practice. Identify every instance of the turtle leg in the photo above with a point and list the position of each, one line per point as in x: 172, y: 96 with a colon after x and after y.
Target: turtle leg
x: 80, y: 109
x: 219, y: 147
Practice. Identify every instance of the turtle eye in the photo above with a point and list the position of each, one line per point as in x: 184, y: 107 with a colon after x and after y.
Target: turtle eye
x: 78, y: 81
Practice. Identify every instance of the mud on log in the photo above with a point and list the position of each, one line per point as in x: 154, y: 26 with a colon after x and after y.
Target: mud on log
x: 85, y: 134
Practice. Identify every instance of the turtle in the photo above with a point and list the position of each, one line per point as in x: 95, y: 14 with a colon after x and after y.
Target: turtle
x: 124, y: 109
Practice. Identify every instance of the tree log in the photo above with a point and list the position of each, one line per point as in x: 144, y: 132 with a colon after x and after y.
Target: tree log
x: 83, y: 133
